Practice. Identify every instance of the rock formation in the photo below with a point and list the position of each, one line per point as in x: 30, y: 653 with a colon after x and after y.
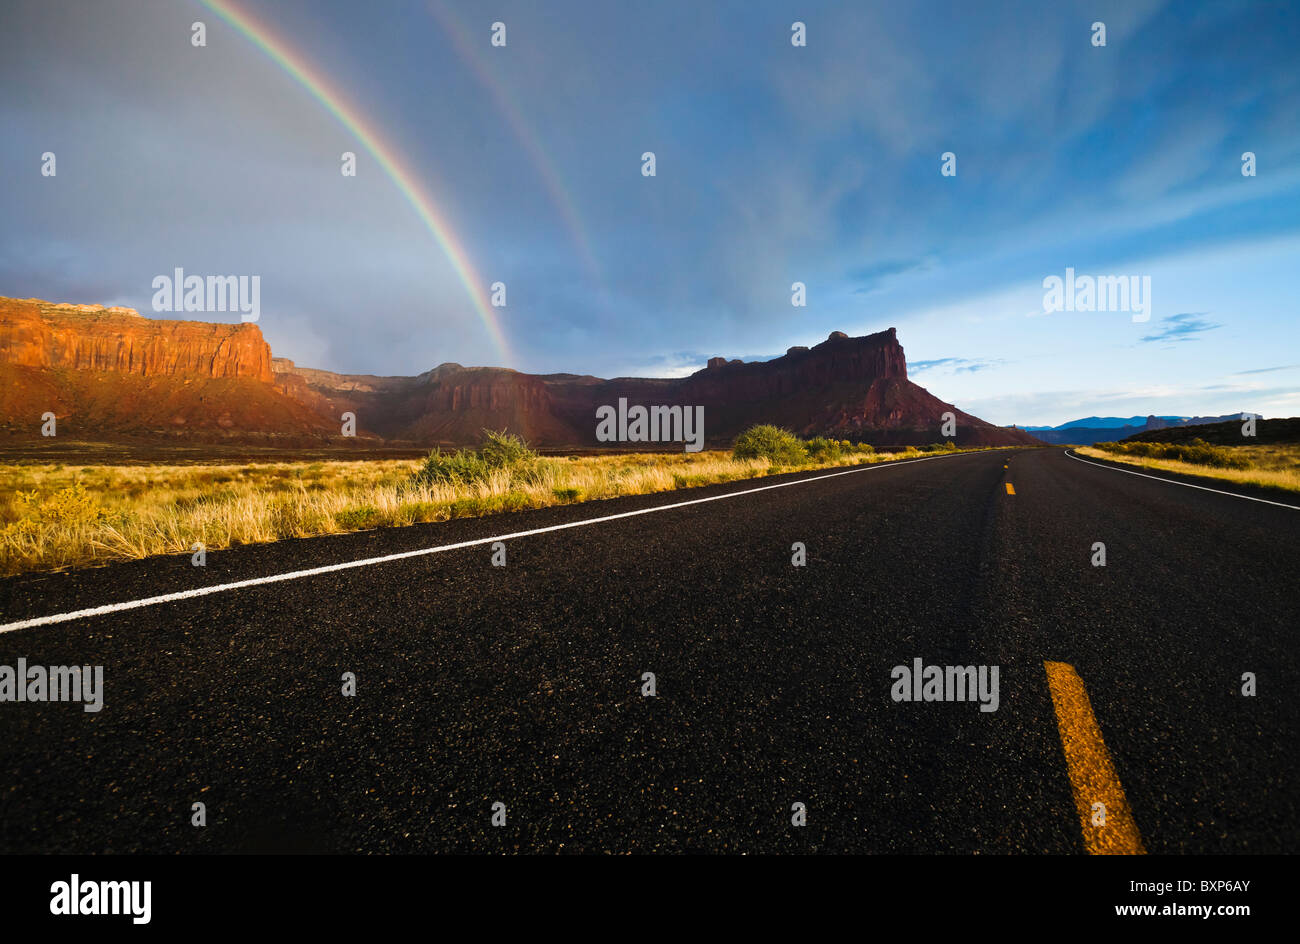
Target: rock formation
x: 142, y: 376
x: 90, y: 337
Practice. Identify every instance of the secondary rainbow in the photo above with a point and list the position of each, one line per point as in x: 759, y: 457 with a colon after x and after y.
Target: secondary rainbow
x: 471, y: 56
x: 384, y: 154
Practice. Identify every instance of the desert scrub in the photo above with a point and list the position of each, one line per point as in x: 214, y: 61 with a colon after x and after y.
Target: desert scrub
x: 68, y: 506
x: 1273, y: 466
x: 778, y: 446
x: 356, y: 519
x: 499, y: 452
x: 52, y: 517
x: 821, y: 449
x: 1194, y: 452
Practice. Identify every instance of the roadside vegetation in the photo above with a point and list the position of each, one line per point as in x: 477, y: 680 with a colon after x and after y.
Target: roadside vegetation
x: 782, y: 447
x: 1193, y: 452
x: 1275, y: 466
x: 57, y: 516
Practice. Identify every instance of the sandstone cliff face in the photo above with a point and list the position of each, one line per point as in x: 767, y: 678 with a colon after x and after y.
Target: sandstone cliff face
x: 88, y: 337
x: 190, y: 375
x: 837, y: 359
x: 449, y: 404
x: 108, y: 373
x: 843, y: 387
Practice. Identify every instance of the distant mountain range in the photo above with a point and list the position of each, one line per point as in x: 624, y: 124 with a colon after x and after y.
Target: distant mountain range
x: 1093, y: 429
x: 110, y: 374
x: 1105, y: 422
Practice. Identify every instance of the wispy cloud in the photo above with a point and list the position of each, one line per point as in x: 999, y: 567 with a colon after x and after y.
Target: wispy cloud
x: 1269, y: 370
x: 960, y: 365
x: 871, y: 276
x: 1182, y: 327
x: 819, y: 165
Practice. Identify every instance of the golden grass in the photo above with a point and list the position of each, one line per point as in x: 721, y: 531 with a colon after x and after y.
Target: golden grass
x: 57, y: 516
x: 1274, y: 466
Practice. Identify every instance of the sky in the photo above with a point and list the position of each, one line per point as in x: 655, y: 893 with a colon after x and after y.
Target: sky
x: 774, y: 164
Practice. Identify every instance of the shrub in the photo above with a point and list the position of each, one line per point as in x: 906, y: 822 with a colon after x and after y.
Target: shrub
x: 503, y: 450
x: 463, y: 466
x: 69, y: 506
x: 778, y: 446
x: 1196, y: 451
x: 823, y: 450
x: 354, y: 519
x: 499, y: 451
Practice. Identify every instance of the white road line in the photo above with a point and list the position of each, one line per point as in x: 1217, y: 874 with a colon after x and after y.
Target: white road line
x: 1158, y: 478
x: 297, y: 574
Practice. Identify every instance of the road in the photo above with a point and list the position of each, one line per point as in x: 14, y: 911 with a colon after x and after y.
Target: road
x: 522, y: 684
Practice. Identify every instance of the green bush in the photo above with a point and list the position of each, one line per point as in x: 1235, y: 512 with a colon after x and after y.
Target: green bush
x: 823, y: 450
x: 778, y: 446
x: 463, y: 466
x: 353, y: 519
x: 502, y: 450
x: 499, y: 451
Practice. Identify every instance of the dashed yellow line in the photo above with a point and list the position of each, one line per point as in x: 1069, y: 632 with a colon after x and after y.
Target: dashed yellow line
x: 1104, y: 813
x: 1011, y: 489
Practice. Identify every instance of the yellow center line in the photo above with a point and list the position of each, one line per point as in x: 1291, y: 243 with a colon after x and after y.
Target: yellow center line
x: 1104, y: 813
x: 1011, y: 489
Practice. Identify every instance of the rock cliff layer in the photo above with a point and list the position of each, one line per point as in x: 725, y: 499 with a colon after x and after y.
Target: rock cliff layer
x: 173, y: 377
x: 89, y: 337
x: 844, y: 387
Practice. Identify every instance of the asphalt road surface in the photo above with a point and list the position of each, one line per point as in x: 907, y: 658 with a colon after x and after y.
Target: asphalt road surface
x: 522, y: 685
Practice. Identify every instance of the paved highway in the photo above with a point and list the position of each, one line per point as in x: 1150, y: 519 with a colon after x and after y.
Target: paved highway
x: 522, y: 685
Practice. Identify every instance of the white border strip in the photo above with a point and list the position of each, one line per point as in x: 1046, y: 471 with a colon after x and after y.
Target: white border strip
x: 331, y: 568
x: 1158, y: 478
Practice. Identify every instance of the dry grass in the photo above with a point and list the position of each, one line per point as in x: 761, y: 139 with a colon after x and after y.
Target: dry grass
x: 57, y: 516
x: 1274, y: 466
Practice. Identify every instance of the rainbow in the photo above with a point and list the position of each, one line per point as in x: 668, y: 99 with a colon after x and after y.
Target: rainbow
x: 466, y: 49
x: 383, y: 153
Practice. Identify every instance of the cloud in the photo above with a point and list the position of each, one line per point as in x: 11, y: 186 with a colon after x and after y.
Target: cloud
x: 960, y: 365
x: 1269, y: 370
x: 775, y: 165
x: 872, y: 275
x: 1182, y: 327
x: 915, y: 367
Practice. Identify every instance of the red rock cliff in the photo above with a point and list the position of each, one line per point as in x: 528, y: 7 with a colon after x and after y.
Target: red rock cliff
x: 90, y: 337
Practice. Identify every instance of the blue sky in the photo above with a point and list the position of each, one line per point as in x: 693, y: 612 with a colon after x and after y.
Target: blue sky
x: 818, y: 164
